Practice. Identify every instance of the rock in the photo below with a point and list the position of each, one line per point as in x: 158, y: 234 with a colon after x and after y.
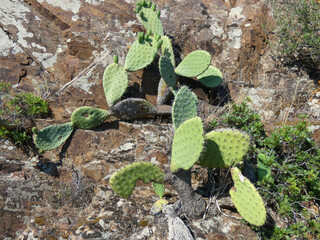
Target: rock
x: 177, y: 229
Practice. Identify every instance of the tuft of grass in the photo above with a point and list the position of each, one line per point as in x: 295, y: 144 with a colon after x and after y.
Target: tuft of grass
x: 287, y: 168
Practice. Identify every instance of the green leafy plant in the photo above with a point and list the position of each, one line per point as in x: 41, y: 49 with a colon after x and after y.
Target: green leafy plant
x: 17, y: 114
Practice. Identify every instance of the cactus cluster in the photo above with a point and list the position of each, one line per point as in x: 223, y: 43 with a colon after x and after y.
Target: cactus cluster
x: 124, y: 181
x: 220, y: 148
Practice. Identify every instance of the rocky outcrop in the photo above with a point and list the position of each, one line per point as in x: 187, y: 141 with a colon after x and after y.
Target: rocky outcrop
x: 59, y: 49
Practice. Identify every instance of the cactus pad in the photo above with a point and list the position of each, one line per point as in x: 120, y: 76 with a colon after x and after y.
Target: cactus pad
x: 187, y: 144
x: 194, y: 64
x: 149, y: 17
x: 124, y: 181
x: 159, y: 189
x: 115, y: 82
x: 142, y: 52
x: 53, y: 136
x: 89, y: 117
x: 224, y: 147
x: 247, y: 199
x: 184, y: 106
x: 167, y: 50
x: 212, y: 77
x: 167, y: 71
x: 133, y: 108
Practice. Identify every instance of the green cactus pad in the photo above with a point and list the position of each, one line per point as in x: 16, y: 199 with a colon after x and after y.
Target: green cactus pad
x: 187, y: 144
x: 142, y: 53
x: 184, y: 106
x: 115, y: 82
x: 124, y: 181
x: 194, y: 64
x: 212, y: 77
x: 167, y: 71
x: 133, y: 108
x: 53, y: 136
x: 159, y: 189
x: 167, y: 50
x: 148, y: 16
x: 89, y: 117
x: 246, y: 199
x: 224, y: 147
x: 158, y: 206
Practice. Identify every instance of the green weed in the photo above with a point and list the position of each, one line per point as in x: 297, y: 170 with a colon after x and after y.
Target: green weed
x: 17, y: 114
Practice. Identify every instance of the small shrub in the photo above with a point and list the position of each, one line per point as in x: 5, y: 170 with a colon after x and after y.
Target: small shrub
x: 298, y: 30
x: 18, y: 112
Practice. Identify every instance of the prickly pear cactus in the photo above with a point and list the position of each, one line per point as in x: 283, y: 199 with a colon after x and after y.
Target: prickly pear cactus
x: 212, y: 77
x: 159, y: 189
x: 224, y: 147
x: 247, y: 199
x: 89, y: 117
x: 167, y: 71
x: 115, y: 82
x: 167, y: 50
x: 124, y: 181
x: 194, y: 64
x: 142, y: 52
x: 184, y: 106
x: 187, y: 144
x: 149, y: 16
x: 53, y: 136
